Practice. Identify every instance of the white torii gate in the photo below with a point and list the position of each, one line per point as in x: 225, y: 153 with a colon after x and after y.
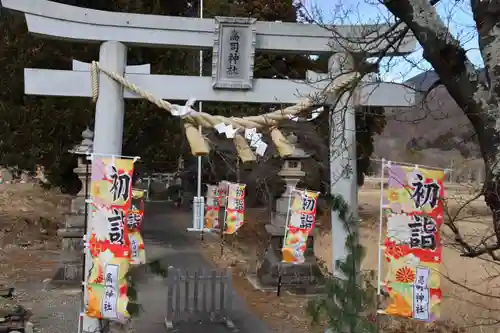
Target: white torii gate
x: 115, y: 29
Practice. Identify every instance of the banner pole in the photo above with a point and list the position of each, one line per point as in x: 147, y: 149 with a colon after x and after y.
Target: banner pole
x: 223, y: 225
x: 203, y: 218
x: 85, y: 223
x: 380, y: 246
x: 287, y: 219
x: 380, y: 227
x: 200, y: 206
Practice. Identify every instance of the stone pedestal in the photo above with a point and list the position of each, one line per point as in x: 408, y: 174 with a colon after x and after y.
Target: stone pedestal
x: 70, y: 269
x: 305, y: 277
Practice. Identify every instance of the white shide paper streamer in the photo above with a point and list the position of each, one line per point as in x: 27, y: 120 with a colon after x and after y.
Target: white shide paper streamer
x: 251, y: 134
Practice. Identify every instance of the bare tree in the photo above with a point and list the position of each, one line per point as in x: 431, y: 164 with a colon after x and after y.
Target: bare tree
x: 479, y: 102
x: 477, y: 98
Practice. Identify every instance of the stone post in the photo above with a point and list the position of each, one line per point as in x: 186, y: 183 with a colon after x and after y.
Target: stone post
x: 480, y: 175
x: 70, y: 270
x: 109, y: 117
x: 343, y: 174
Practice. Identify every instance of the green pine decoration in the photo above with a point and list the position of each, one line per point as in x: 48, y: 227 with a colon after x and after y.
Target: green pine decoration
x: 134, y: 308
x: 347, y: 301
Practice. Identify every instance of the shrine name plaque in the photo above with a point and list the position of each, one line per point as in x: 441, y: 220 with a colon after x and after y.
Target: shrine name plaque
x: 233, y: 53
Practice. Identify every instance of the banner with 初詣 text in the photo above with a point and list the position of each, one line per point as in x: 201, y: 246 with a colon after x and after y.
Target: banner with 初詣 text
x: 108, y: 243
x: 301, y: 222
x: 223, y: 192
x: 212, y: 207
x: 235, y: 209
x: 135, y: 218
x: 413, y: 208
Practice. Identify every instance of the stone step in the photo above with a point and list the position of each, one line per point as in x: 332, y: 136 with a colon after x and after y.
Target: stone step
x: 16, y: 326
x: 6, y: 292
x: 78, y: 205
x: 11, y: 312
x: 71, y: 232
x: 74, y: 220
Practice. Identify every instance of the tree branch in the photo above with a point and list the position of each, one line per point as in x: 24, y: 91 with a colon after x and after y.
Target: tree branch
x: 440, y: 48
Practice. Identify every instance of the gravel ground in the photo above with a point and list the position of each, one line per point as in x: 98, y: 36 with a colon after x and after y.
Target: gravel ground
x: 27, y: 269
x: 57, y: 310
x: 54, y: 311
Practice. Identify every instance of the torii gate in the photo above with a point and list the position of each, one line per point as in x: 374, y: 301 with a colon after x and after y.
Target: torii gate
x: 116, y: 30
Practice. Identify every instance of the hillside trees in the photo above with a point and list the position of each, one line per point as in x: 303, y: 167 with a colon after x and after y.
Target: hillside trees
x: 41, y: 129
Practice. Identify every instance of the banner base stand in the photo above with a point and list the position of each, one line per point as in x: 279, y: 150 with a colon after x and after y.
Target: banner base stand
x: 199, y: 230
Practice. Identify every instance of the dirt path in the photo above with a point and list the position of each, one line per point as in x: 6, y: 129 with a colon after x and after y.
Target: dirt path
x: 167, y: 230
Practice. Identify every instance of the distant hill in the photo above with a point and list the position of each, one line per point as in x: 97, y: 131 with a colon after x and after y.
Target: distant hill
x: 436, y: 132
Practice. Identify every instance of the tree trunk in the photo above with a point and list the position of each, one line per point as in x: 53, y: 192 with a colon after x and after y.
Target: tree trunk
x: 492, y: 198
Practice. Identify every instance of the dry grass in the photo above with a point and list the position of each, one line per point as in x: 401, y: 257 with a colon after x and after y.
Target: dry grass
x: 29, y: 218
x: 470, y: 286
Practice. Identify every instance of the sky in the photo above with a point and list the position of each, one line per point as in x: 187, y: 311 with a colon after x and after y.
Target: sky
x: 456, y: 14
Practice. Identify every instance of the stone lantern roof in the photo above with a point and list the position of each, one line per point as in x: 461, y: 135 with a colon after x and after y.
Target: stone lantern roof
x: 298, y: 153
x: 86, y: 145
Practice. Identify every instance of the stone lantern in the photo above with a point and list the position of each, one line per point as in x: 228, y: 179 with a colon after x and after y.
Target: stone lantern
x: 81, y: 150
x: 292, y: 174
x: 298, y: 276
x: 70, y: 269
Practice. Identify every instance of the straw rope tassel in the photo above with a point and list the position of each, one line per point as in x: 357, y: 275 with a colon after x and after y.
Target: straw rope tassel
x: 95, y: 81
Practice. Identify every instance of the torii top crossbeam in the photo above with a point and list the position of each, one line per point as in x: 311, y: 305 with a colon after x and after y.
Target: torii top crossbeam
x: 75, y: 23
